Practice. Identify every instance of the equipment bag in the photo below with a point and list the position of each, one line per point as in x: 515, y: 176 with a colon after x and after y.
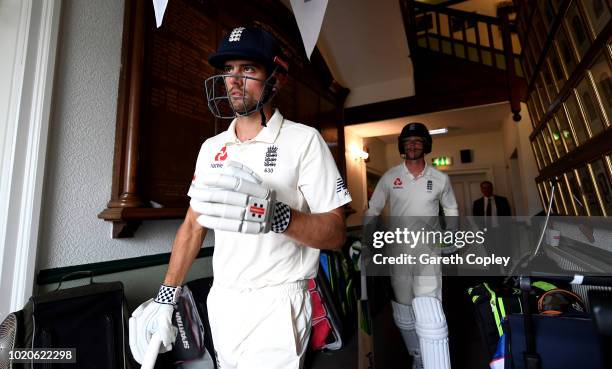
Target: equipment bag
x: 199, y: 290
x: 326, y: 325
x: 92, y: 319
x: 339, y: 272
x: 561, y: 342
x: 491, y: 306
x: 493, y: 303
x: 559, y: 301
x: 189, y: 350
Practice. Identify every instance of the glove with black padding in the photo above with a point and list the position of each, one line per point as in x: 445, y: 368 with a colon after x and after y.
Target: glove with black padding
x: 154, y: 316
x: 236, y: 201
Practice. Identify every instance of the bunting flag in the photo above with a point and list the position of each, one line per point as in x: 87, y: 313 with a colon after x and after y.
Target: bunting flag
x: 160, y: 9
x: 309, y: 16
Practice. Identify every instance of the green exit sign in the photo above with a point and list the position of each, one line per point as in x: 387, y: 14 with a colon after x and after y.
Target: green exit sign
x: 442, y: 161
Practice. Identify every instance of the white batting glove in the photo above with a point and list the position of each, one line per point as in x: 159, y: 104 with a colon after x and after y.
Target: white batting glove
x: 236, y: 201
x: 154, y: 316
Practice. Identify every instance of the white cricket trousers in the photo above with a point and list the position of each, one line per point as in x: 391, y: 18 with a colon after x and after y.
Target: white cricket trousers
x: 260, y: 328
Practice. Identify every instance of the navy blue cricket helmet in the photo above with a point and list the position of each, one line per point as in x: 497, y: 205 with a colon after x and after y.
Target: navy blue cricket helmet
x: 411, y: 130
x: 250, y: 43
x: 247, y: 43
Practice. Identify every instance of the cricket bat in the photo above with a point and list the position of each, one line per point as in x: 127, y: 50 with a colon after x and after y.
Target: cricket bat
x: 365, y: 343
x: 150, y: 357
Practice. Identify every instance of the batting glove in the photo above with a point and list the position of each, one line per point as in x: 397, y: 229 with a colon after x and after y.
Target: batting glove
x: 237, y: 201
x: 154, y: 315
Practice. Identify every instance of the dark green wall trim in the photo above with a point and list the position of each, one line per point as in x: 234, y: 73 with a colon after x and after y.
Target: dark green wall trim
x: 54, y: 275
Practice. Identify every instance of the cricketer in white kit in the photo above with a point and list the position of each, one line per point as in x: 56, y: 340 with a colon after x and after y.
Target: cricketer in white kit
x: 415, y: 189
x: 270, y: 189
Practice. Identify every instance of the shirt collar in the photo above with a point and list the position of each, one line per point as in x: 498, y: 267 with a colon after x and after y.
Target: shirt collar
x: 425, y: 173
x: 268, y: 134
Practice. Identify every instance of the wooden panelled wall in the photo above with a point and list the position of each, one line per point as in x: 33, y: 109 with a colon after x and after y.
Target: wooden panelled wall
x: 567, y: 61
x: 162, y: 115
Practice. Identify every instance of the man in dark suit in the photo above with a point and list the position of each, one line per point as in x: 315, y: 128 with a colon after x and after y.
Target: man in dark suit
x: 487, y: 211
x: 490, y: 205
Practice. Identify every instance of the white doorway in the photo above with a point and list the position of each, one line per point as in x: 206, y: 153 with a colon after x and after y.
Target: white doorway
x: 466, y: 186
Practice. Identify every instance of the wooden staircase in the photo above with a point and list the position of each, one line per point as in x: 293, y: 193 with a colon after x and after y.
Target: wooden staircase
x: 459, y: 59
x: 471, y: 45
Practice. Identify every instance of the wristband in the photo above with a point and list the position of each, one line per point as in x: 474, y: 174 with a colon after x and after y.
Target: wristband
x: 281, y: 217
x: 168, y: 295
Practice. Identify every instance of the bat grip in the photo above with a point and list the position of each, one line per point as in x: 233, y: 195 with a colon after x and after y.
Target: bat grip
x: 148, y: 362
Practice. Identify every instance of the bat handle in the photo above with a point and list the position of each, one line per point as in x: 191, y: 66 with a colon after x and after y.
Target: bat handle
x: 148, y: 362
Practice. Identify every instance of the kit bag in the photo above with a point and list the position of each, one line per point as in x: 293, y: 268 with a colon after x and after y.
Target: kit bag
x: 491, y: 306
x: 189, y: 350
x: 92, y: 319
x: 561, y: 342
x: 326, y: 322
x: 200, y: 288
x: 494, y: 302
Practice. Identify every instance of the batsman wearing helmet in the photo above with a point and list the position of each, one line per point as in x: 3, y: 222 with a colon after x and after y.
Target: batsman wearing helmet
x: 270, y: 189
x: 413, y: 189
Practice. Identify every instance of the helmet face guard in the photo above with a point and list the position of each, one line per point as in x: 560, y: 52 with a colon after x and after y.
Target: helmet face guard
x: 414, y: 130
x: 244, y: 43
x: 224, y: 106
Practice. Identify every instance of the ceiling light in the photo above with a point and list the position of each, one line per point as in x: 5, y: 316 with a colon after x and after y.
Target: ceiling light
x: 438, y: 131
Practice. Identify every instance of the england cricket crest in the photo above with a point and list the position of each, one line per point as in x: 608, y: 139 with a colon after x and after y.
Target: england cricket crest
x: 429, y: 186
x: 270, y: 159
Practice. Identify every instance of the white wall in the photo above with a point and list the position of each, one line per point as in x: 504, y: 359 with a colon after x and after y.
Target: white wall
x: 356, y: 178
x: 529, y: 168
x: 516, y: 137
x: 378, y: 156
x: 81, y: 143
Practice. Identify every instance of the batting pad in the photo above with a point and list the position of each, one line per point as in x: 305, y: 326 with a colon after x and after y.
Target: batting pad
x: 403, y: 315
x: 432, y: 331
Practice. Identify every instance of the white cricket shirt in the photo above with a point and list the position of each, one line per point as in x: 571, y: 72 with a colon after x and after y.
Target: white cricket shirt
x: 413, y: 196
x: 294, y: 160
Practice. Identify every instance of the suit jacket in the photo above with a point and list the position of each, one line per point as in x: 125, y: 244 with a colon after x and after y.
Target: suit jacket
x: 501, y: 204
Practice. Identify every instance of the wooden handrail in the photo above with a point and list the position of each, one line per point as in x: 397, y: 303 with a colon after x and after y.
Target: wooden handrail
x: 469, y: 44
x: 422, y: 7
x: 414, y: 8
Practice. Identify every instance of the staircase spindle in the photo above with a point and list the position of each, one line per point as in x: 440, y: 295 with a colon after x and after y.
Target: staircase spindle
x: 478, y: 45
x: 426, y: 19
x: 465, y: 43
x: 452, y: 35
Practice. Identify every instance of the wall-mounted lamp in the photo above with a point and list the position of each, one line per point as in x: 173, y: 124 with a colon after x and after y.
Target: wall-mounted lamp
x: 357, y: 153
